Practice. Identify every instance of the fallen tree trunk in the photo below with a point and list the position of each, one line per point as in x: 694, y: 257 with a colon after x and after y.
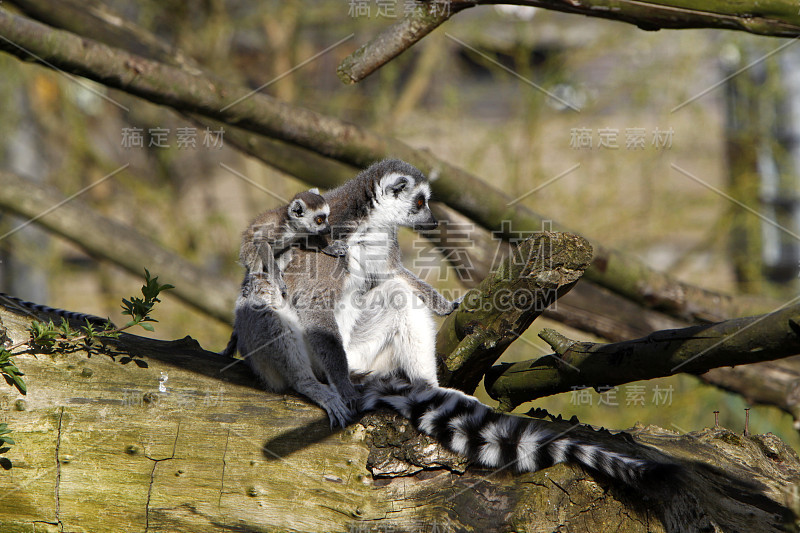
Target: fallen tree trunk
x: 164, y: 436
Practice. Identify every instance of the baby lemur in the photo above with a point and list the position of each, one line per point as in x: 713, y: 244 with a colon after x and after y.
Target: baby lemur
x: 266, y: 328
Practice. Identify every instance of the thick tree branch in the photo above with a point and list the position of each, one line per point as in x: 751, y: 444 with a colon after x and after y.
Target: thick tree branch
x: 94, y: 19
x: 491, y: 317
x: 694, y: 350
x: 621, y: 273
x: 778, y: 18
x: 121, y: 244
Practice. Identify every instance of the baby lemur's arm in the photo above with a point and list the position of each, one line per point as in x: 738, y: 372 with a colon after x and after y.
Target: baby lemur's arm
x: 257, y: 255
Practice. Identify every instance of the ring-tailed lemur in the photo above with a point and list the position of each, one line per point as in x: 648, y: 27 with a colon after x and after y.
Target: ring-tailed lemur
x: 31, y: 308
x: 266, y: 328
x: 382, y: 319
x: 373, y: 309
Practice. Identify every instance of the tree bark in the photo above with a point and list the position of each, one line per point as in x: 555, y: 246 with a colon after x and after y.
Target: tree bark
x: 393, y: 41
x: 537, y: 272
x: 164, y: 436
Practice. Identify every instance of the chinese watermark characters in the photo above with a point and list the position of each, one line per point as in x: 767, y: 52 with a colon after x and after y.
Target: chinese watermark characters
x: 185, y: 138
x: 611, y: 138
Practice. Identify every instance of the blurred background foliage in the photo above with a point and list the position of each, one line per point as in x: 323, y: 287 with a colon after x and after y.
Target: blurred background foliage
x: 445, y: 97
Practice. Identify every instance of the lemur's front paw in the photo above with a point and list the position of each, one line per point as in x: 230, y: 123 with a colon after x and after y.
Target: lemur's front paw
x: 336, y: 249
x: 456, y: 303
x: 284, y: 290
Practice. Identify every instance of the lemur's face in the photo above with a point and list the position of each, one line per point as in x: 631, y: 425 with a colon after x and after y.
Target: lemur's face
x: 308, y: 220
x: 402, y: 200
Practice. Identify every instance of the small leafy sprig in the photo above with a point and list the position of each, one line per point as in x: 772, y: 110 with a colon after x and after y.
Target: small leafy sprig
x: 139, y: 308
x: 11, y: 373
x: 4, y: 440
x: 48, y: 335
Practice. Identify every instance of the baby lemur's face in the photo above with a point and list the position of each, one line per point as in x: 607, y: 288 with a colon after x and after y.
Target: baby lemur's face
x: 308, y: 214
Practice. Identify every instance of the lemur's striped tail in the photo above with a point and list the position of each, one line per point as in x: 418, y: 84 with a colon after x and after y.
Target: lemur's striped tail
x: 495, y: 440
x: 39, y: 309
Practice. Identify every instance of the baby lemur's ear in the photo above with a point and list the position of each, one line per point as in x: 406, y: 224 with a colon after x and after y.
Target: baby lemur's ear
x: 394, y: 184
x: 314, y: 190
x: 297, y: 208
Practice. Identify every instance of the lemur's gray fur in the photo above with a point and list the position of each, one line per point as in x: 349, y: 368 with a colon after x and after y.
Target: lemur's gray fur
x: 271, y: 234
x: 39, y: 309
x: 267, y: 329
x: 380, y: 314
x: 272, y: 341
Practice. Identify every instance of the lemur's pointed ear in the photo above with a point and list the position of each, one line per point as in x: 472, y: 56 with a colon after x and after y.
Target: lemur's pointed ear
x: 314, y: 190
x: 297, y: 208
x: 394, y: 184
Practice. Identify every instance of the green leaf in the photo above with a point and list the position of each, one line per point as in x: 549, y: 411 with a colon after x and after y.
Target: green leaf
x: 10, y: 368
x: 148, y: 327
x: 20, y: 384
x: 64, y: 329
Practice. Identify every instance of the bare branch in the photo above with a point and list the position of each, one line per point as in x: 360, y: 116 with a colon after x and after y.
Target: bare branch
x: 121, y: 244
x: 494, y: 315
x: 394, y: 40
x: 694, y: 350
x: 773, y: 383
x: 777, y: 18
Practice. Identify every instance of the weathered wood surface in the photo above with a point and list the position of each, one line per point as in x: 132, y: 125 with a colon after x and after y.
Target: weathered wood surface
x: 101, y: 448
x: 536, y: 273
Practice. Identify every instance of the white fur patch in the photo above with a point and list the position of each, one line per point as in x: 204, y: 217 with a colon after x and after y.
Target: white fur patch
x: 494, y: 433
x: 489, y: 455
x: 460, y: 441
x: 426, y: 421
x: 559, y: 450
x: 528, y: 449
x: 586, y: 453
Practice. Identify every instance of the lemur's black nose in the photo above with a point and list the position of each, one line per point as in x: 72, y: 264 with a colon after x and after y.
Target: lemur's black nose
x: 428, y: 225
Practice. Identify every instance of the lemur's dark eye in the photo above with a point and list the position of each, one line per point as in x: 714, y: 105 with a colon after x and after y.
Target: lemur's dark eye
x: 420, y: 202
x: 320, y: 219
